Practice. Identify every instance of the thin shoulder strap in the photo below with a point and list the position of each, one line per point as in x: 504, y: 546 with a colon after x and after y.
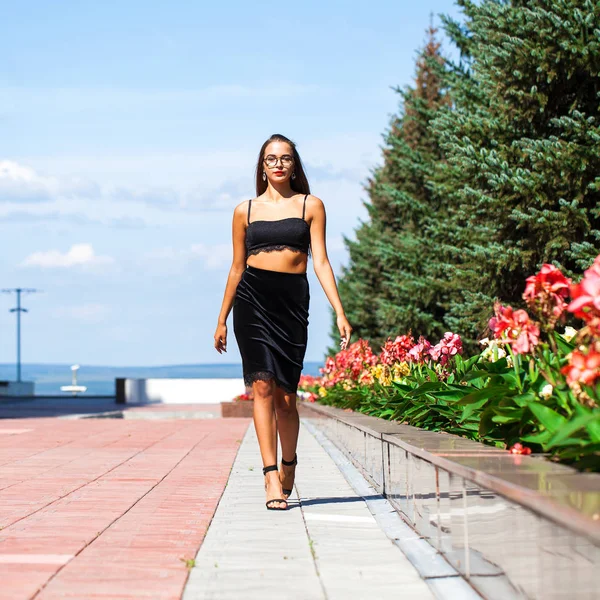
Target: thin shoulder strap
x: 304, y: 206
x: 249, y: 207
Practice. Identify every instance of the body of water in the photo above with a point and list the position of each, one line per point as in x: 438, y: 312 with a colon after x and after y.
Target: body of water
x: 100, y: 381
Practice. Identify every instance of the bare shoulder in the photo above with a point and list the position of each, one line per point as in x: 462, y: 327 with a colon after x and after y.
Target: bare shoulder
x: 314, y: 204
x: 241, y: 209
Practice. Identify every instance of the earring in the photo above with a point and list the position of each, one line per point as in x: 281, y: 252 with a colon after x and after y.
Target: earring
x: 294, y: 175
x: 264, y: 176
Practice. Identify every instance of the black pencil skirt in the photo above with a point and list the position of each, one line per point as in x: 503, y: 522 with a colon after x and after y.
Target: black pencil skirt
x: 270, y: 323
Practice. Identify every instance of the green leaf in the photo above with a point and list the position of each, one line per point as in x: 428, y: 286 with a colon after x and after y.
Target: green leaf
x: 537, y: 438
x: 469, y: 409
x: 569, y: 429
x: 524, y: 399
x: 487, y: 393
x: 562, y: 344
x: 549, y: 418
x: 503, y: 419
x: 593, y: 428
x: 430, y: 386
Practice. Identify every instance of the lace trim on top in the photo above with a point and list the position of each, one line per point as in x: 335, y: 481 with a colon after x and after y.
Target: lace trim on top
x: 273, y: 248
x: 249, y: 378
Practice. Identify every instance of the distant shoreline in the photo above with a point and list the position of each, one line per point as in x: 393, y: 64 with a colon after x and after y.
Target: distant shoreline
x: 100, y: 380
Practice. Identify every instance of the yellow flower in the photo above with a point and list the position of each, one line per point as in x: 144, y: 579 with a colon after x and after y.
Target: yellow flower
x: 401, y: 369
x: 322, y: 392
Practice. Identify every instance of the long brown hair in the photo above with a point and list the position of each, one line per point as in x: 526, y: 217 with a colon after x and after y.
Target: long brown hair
x: 298, y: 184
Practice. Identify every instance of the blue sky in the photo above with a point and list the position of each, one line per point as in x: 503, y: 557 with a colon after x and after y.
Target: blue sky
x: 128, y: 132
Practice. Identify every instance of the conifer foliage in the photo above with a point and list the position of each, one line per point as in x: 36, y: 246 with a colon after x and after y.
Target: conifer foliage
x: 490, y: 170
x: 385, y: 288
x: 522, y: 161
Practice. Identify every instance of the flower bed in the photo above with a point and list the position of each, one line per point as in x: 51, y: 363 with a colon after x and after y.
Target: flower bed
x: 531, y: 387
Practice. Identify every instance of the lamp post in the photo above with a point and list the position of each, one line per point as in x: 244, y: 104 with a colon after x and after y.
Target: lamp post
x: 19, y: 309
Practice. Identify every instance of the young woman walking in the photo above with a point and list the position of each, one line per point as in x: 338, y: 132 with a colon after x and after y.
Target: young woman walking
x: 273, y: 235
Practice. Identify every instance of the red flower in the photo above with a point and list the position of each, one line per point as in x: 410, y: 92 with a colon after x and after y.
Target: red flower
x: 502, y: 321
x: 519, y: 449
x: 547, y: 291
x: 586, y: 297
x: 395, y: 351
x: 582, y: 368
x: 515, y: 327
x: 348, y: 363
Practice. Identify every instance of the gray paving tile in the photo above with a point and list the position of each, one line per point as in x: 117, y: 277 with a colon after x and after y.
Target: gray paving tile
x: 327, y: 546
x: 249, y: 551
x: 354, y: 557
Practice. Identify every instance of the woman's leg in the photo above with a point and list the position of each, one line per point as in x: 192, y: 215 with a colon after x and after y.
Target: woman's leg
x: 288, y: 424
x: 266, y: 431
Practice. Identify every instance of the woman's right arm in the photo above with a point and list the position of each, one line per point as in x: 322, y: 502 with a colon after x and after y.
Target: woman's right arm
x: 236, y: 271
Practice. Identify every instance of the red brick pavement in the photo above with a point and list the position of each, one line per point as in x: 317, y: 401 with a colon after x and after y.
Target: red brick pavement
x: 108, y: 508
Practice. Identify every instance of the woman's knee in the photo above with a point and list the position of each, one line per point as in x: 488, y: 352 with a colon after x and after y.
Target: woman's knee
x: 285, y: 405
x: 263, y: 389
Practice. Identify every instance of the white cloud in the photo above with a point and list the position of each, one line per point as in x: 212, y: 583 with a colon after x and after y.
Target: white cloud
x: 87, y: 313
x: 20, y: 183
x: 77, y: 255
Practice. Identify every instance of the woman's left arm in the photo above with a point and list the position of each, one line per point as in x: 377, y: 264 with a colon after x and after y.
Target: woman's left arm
x: 323, y: 268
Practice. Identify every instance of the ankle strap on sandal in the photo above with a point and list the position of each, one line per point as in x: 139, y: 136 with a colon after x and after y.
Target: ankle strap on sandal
x: 270, y: 468
x: 290, y: 463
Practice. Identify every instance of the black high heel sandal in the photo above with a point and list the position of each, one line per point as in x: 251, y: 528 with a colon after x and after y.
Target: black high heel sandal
x: 265, y: 471
x: 289, y: 463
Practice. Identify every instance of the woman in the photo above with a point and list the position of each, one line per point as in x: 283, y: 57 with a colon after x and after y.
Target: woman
x: 267, y: 285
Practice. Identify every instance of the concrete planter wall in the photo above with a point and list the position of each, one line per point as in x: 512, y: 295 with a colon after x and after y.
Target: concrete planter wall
x: 238, y: 409
x: 513, y: 526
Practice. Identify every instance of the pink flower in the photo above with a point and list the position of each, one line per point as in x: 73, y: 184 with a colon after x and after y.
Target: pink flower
x: 419, y: 352
x: 547, y: 291
x: 526, y: 333
x: 582, y: 368
x: 586, y: 297
x: 502, y: 321
x: 448, y: 346
x: 515, y: 327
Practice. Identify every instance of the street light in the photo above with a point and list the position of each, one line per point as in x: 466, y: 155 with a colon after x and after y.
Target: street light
x: 19, y: 309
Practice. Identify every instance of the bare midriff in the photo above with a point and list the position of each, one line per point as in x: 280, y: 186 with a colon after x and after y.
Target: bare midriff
x: 286, y: 261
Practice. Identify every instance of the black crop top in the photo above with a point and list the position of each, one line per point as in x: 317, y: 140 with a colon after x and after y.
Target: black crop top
x: 292, y: 233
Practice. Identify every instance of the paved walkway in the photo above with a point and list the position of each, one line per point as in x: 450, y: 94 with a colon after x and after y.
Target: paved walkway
x: 108, y: 508
x: 327, y: 546
x: 121, y: 508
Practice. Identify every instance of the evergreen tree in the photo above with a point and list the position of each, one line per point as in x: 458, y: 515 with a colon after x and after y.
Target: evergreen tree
x: 522, y: 149
x: 411, y: 297
x: 386, y: 289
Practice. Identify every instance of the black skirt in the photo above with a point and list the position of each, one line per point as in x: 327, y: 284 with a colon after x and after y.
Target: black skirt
x: 270, y: 322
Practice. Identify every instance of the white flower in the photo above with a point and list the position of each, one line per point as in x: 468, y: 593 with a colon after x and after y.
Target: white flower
x: 484, y: 341
x: 570, y: 333
x: 493, y: 352
x: 546, y: 391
